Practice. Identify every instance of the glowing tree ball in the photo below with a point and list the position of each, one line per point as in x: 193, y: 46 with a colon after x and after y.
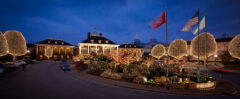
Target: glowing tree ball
x: 178, y: 48
x: 158, y: 51
x: 234, y: 47
x: 3, y: 45
x: 48, y: 52
x: 210, y: 44
x: 16, y: 43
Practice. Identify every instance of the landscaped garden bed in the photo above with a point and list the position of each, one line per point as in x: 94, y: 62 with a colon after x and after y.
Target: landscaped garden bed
x: 150, y: 73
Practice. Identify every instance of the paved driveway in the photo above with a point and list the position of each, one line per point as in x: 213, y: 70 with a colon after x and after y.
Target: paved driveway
x: 45, y: 80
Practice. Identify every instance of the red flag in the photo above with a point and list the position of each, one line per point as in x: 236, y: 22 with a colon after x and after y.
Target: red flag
x: 156, y: 23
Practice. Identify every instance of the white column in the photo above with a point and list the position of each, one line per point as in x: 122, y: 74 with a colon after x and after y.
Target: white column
x: 96, y: 49
x: 110, y: 49
x: 103, y: 49
x: 80, y: 49
x: 88, y: 49
x: 117, y: 49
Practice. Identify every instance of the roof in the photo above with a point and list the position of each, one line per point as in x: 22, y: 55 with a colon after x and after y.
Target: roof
x: 130, y: 46
x: 54, y: 42
x: 96, y: 40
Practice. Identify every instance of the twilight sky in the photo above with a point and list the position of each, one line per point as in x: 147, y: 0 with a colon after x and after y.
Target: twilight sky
x: 121, y: 21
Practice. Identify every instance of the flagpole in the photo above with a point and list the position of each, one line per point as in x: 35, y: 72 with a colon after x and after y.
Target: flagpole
x: 167, y: 46
x: 198, y: 67
x: 206, y: 45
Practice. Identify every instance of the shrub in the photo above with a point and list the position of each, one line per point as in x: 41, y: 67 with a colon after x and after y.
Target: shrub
x: 160, y: 79
x: 140, y: 80
x: 99, y: 66
x: 133, y: 70
x: 111, y: 75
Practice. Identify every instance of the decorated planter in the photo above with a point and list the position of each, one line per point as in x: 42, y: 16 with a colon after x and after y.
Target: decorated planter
x: 180, y: 86
x: 202, y: 85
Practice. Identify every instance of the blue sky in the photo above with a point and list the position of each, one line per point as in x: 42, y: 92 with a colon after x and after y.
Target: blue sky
x: 121, y: 21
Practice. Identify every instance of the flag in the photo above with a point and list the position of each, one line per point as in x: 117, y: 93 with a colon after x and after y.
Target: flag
x: 201, y: 26
x: 191, y: 22
x: 156, y: 23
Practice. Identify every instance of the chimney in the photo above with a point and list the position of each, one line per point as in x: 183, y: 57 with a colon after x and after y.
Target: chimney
x: 89, y: 34
x: 101, y: 35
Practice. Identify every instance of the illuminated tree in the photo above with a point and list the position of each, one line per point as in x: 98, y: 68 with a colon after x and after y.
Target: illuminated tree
x: 208, y: 45
x: 48, y: 52
x: 3, y: 45
x: 234, y: 47
x: 16, y: 43
x: 178, y: 48
x: 139, y: 55
x: 158, y: 51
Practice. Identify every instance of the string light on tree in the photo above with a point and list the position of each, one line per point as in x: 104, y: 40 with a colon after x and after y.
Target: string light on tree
x: 3, y: 45
x: 178, y: 48
x: 48, y: 52
x: 234, y: 47
x: 16, y: 43
x: 158, y: 51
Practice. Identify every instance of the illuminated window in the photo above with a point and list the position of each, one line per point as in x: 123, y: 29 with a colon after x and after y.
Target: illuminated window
x: 135, y: 46
x: 92, y: 41
x: 49, y: 42
x: 62, y: 43
x: 107, y: 41
x: 55, y: 42
x: 99, y: 41
x: 130, y: 45
x: 125, y: 46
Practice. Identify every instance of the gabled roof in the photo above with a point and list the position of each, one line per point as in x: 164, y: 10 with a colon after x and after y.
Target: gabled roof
x: 226, y: 39
x: 52, y: 42
x: 130, y: 46
x: 96, y: 40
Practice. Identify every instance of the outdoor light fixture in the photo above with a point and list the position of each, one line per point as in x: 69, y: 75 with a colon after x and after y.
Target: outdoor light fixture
x: 215, y: 55
x: 28, y: 51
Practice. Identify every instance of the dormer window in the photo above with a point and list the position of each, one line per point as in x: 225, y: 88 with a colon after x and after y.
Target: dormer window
x: 49, y: 42
x: 125, y: 46
x: 130, y: 45
x: 135, y: 46
x: 62, y: 43
x: 92, y: 41
x: 55, y: 42
x: 107, y: 41
x: 99, y: 41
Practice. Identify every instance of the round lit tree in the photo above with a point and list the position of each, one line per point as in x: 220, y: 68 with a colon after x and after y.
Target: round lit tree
x: 48, y: 52
x: 203, y: 45
x: 178, y: 48
x: 234, y: 47
x: 16, y: 43
x: 158, y: 51
x: 3, y: 45
x: 207, y: 46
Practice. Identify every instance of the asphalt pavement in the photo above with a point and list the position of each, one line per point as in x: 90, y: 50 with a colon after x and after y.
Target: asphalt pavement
x: 45, y: 80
